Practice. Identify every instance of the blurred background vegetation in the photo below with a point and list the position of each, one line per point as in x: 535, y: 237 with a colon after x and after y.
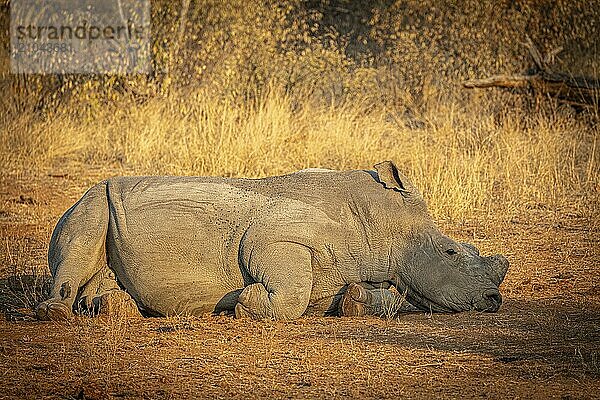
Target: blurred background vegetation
x: 333, y: 50
x: 265, y: 87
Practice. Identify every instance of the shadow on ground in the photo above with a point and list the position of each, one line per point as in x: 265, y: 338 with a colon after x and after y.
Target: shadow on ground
x: 559, y: 332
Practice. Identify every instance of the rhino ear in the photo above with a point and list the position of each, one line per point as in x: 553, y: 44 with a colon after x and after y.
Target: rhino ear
x: 392, y: 179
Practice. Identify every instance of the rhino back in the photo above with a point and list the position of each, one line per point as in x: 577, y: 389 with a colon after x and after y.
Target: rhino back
x: 329, y: 191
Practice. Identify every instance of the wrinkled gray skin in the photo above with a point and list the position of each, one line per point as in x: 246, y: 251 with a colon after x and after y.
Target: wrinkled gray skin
x: 272, y: 248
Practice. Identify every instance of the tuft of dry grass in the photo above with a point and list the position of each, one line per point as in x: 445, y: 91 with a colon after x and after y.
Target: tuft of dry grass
x: 467, y: 159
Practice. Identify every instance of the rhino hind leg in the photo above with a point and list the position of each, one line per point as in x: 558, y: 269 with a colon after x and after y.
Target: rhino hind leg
x: 283, y: 282
x: 52, y: 310
x: 76, y: 253
x: 361, y: 299
x: 115, y: 303
x: 102, y: 296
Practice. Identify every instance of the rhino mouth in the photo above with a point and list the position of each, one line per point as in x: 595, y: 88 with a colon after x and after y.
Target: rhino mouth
x: 489, y: 300
x: 425, y: 304
x: 419, y: 301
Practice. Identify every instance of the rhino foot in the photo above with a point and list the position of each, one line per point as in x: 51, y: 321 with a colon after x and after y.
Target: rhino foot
x: 355, y: 302
x: 254, y: 303
x: 116, y: 302
x: 53, y: 310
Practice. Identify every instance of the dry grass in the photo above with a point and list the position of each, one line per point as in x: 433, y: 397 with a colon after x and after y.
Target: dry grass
x: 276, y: 89
x: 487, y: 164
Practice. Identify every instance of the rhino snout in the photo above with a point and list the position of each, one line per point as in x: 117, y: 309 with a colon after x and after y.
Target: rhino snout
x: 490, y: 301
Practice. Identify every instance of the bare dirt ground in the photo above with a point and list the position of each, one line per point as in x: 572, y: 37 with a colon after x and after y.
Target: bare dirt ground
x: 543, y: 343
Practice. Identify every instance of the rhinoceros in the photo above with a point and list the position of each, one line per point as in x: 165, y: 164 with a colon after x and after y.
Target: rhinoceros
x: 311, y: 242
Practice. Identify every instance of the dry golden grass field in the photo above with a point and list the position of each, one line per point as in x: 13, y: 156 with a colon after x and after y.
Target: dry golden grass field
x: 269, y: 88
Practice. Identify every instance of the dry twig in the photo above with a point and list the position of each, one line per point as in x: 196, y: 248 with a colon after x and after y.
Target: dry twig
x: 542, y: 80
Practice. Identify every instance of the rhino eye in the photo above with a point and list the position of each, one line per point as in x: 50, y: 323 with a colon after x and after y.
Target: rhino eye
x: 451, y: 252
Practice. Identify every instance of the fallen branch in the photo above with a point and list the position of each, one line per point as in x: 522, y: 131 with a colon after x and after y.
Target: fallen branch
x: 542, y: 80
x: 503, y: 81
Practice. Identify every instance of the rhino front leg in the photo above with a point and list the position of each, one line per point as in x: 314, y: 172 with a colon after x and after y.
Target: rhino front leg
x: 362, y: 299
x: 283, y: 282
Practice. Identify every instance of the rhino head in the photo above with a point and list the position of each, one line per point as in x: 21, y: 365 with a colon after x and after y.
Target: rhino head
x: 436, y: 273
